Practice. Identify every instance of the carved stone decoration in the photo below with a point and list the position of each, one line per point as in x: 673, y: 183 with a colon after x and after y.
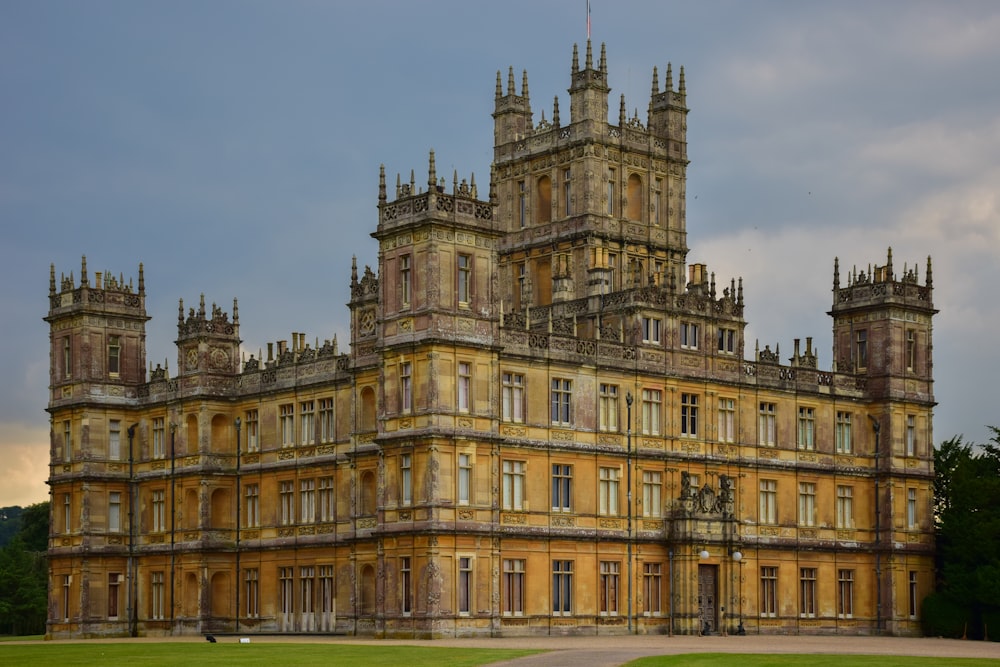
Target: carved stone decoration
x: 432, y: 475
x: 433, y: 581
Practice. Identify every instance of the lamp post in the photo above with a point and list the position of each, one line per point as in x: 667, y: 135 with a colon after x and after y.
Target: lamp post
x: 876, y: 426
x: 628, y: 482
x: 237, y: 423
x: 133, y: 627
x: 173, y: 512
x: 738, y: 559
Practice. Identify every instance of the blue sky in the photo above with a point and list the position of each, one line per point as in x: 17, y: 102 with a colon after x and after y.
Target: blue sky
x: 233, y: 147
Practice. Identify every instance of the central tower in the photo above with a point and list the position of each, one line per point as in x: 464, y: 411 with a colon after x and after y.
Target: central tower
x: 589, y: 207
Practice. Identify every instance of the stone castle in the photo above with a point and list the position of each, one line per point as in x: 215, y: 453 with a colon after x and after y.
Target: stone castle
x: 545, y: 422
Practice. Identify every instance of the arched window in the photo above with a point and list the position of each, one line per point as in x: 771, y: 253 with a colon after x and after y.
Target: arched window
x: 192, y: 434
x: 634, y: 198
x: 223, y: 435
x: 367, y: 409
x: 221, y: 509
x: 190, y: 595
x: 191, y: 508
x: 220, y: 595
x: 543, y: 206
x: 367, y: 493
x: 367, y: 590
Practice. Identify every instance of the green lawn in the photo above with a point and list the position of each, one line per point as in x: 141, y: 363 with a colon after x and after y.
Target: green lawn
x: 272, y: 655
x: 293, y: 654
x: 812, y: 660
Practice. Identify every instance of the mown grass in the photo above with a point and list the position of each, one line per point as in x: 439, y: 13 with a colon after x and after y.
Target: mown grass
x: 812, y: 660
x: 141, y: 654
x: 226, y: 654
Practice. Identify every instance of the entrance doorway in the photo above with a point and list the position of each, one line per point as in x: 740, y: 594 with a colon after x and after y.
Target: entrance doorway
x: 708, y: 588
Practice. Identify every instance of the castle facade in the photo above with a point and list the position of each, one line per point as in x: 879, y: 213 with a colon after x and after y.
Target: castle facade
x: 546, y: 422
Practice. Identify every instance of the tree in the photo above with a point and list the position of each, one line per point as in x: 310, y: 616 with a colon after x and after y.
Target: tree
x: 24, y: 574
x: 967, y: 515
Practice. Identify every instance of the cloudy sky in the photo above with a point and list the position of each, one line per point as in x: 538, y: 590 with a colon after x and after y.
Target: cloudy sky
x: 233, y: 147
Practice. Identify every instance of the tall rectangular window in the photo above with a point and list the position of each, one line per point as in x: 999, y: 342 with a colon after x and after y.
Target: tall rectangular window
x: 608, y: 491
x: 406, y: 386
x: 464, y: 278
x: 842, y: 437
x: 652, y: 485
x: 689, y: 335
x: 464, y: 584
x: 568, y: 191
x: 67, y: 583
x: 608, y: 593
x: 326, y: 500
x: 861, y: 349
x: 562, y: 487
x: 657, y: 193
x: 156, y: 598
x: 911, y: 349
x: 845, y: 507
x: 807, y: 429
x: 845, y: 593
x: 67, y: 513
x: 913, y: 594
x: 464, y: 386
x: 522, y: 205
x: 727, y: 420
x: 807, y: 504
x: 608, y: 407
x: 727, y: 341
x: 67, y: 441
x: 114, y: 512
x: 159, y: 438
x: 562, y: 395
x: 513, y: 397
x: 252, y: 425
x: 286, y: 495
x: 651, y: 328
x: 67, y: 357
x: 652, y: 588
x: 286, y: 422
x: 911, y: 509
x: 307, y: 590
x: 251, y: 588
x: 611, y: 192
x: 405, y: 585
x: 768, y: 502
x: 807, y: 592
x: 513, y: 587
x: 911, y: 435
x: 405, y: 479
x: 115, y: 440
x: 327, y: 592
x: 307, y: 420
x: 652, y: 407
x: 405, y: 284
x: 464, y: 479
x: 767, y: 427
x: 327, y: 427
x: 769, y: 591
x: 689, y: 415
x: 251, y: 514
x: 520, y: 285
x: 159, y: 511
x: 513, y: 484
x: 562, y: 587
x: 114, y: 594
x: 114, y: 355
x: 286, y: 588
x: 307, y: 501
